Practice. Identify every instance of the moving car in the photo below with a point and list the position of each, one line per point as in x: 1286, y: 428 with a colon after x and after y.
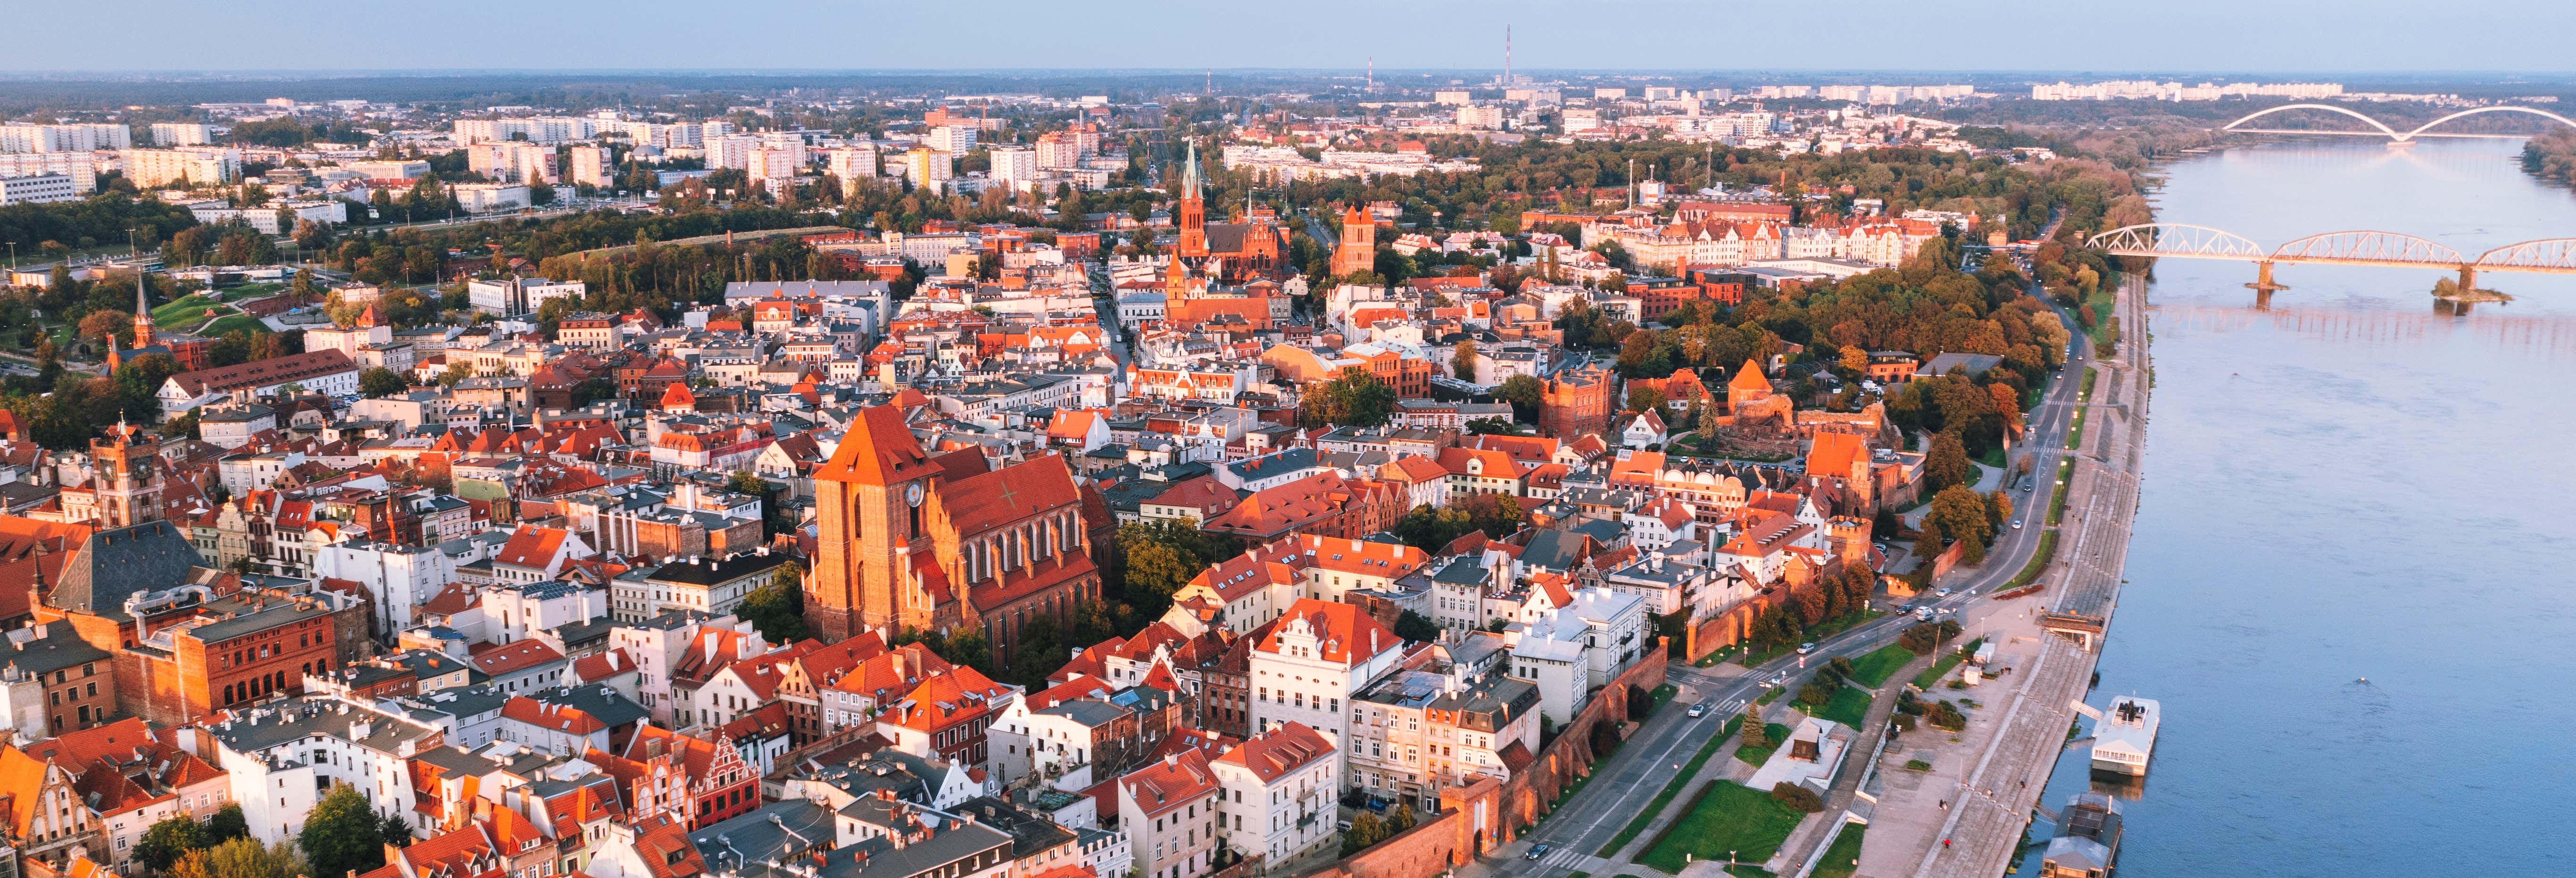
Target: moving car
x: 1807, y: 647
x: 1924, y: 614
x: 1942, y: 593
x: 1535, y: 852
x: 1699, y: 710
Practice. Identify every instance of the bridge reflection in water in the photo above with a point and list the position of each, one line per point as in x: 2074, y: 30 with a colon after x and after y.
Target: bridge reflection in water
x: 2538, y: 337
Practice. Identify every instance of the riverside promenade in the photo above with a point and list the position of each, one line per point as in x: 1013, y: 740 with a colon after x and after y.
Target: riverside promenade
x: 1986, y: 811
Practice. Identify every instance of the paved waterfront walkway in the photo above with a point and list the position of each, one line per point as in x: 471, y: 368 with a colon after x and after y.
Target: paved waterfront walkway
x: 1989, y: 808
x: 1857, y: 764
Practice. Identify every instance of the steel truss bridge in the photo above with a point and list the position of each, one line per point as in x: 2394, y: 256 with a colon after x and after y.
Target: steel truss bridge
x: 2377, y: 249
x: 2381, y: 129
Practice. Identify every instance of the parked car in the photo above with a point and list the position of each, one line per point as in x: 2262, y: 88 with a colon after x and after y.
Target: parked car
x: 1535, y: 852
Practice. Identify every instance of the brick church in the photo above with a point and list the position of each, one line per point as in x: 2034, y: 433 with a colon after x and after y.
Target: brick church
x: 1229, y: 253
x: 911, y: 540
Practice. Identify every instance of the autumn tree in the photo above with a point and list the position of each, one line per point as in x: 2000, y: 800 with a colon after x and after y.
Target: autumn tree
x: 1946, y: 464
x: 1463, y: 365
x: 105, y: 324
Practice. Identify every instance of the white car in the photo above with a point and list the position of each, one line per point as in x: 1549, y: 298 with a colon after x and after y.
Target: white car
x: 2016, y: 525
x: 1699, y: 710
x: 1805, y: 648
x: 1942, y: 593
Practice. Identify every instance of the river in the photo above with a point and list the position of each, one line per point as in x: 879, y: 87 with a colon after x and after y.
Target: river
x: 2351, y: 486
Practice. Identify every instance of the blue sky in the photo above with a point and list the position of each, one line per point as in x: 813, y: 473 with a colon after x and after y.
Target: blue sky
x: 2054, y: 35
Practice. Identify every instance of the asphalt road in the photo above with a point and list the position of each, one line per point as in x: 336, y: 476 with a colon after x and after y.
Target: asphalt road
x: 1631, y: 777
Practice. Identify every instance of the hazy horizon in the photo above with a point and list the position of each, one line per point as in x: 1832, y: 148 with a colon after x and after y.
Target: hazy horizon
x: 2249, y: 37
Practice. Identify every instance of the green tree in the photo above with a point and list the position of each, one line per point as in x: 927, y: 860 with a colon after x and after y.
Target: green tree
x: 1411, y: 626
x: 1355, y: 399
x: 396, y: 830
x: 228, y: 823
x: 379, y: 382
x: 1754, y: 735
x: 777, y: 607
x: 1039, y: 652
x: 167, y: 840
x: 247, y: 858
x: 1524, y: 393
x: 456, y: 372
x: 1643, y: 399
x: 341, y: 834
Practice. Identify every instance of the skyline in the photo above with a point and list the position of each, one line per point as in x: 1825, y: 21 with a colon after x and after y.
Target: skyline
x: 1441, y: 35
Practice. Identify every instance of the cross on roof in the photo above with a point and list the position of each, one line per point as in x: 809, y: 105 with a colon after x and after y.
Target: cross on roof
x: 1009, y: 495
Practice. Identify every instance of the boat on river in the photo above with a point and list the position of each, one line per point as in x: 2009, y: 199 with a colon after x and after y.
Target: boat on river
x: 2125, y: 738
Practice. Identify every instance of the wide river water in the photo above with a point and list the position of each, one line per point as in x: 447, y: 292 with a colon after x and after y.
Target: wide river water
x: 2351, y: 485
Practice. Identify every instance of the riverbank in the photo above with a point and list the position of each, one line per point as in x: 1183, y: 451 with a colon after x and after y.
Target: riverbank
x: 1966, y: 814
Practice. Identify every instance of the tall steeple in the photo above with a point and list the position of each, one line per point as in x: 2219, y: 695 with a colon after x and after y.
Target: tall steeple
x: 1191, y: 216
x: 1190, y: 174
x: 142, y: 311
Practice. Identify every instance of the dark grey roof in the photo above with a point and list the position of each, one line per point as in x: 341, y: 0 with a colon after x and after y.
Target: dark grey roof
x: 1461, y: 570
x: 261, y: 728
x: 60, y: 648
x: 712, y: 572
x: 1090, y: 712
x: 1031, y: 834
x: 246, y: 621
x: 746, y: 843
x: 577, y: 633
x: 601, y: 702
x: 1555, y: 550
x: 111, y: 565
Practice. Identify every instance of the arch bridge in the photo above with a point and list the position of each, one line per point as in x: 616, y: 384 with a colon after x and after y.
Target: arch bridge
x: 2381, y: 129
x: 2364, y: 248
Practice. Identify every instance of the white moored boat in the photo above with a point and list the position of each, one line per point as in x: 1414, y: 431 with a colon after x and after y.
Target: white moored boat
x: 2125, y: 737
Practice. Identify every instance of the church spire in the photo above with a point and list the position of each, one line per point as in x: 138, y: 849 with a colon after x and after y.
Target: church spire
x: 1190, y: 174
x: 142, y: 310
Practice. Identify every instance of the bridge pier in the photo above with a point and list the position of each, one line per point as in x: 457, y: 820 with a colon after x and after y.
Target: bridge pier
x: 2263, y: 285
x: 2468, y: 279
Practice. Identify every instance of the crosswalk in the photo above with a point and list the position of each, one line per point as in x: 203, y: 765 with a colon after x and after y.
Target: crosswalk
x: 1568, y: 858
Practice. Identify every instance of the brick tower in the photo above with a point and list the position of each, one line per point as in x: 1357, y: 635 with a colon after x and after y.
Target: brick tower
x: 868, y: 523
x: 1191, y: 216
x: 1358, y: 250
x: 128, y: 477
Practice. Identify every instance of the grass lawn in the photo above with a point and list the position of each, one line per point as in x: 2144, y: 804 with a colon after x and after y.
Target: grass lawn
x: 1934, y: 673
x: 251, y: 291
x: 1841, y: 860
x: 1849, y: 706
x: 1637, y: 825
x: 1873, y: 669
x: 1732, y: 817
x: 1662, y: 695
x: 1994, y: 457
x: 1755, y: 756
x: 191, y: 306
x: 229, y: 323
x: 2075, y: 431
x: 2057, y: 501
x: 1772, y: 695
